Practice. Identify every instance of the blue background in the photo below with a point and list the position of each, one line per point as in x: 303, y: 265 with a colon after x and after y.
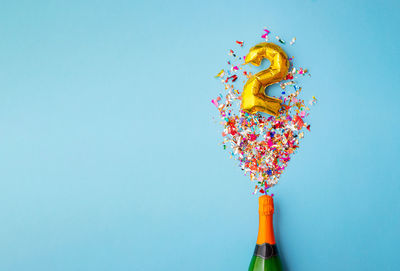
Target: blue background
x: 109, y: 158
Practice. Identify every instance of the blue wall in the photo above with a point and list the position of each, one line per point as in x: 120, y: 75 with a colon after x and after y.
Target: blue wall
x: 109, y: 158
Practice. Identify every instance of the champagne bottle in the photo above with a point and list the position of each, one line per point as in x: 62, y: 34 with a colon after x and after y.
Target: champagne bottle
x: 265, y: 254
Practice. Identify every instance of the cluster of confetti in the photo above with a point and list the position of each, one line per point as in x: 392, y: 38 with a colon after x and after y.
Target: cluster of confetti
x: 262, y: 144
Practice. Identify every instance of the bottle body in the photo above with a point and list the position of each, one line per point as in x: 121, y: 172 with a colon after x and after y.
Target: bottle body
x: 272, y: 263
x: 265, y: 257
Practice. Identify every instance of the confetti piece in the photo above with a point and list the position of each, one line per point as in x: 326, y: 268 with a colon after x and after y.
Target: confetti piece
x: 265, y: 35
x: 293, y: 41
x: 280, y: 40
x: 233, y: 77
x: 220, y: 74
x: 240, y: 43
x: 285, y: 84
x: 215, y: 102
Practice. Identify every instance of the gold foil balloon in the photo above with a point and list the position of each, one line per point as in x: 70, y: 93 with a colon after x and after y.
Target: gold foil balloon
x: 254, y: 98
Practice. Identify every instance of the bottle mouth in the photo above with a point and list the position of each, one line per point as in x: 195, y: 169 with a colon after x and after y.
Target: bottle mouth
x: 266, y: 205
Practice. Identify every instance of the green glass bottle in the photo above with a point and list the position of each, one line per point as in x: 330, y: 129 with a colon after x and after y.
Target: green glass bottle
x: 265, y: 256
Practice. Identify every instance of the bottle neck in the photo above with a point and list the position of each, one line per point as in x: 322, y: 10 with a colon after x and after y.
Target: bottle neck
x: 266, y: 226
x: 265, y: 230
